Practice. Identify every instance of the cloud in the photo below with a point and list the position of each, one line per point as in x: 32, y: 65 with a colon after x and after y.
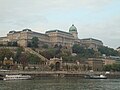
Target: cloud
x: 52, y: 4
x: 93, y: 18
x: 16, y: 9
x: 108, y: 31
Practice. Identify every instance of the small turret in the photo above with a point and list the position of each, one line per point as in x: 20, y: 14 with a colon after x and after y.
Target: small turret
x: 73, y: 31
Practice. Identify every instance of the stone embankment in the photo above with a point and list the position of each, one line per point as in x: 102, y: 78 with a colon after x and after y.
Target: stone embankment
x: 111, y: 75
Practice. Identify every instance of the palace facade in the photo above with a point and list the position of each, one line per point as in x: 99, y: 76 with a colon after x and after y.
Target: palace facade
x: 51, y: 37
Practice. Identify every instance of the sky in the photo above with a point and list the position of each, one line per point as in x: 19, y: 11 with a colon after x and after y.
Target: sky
x: 99, y: 19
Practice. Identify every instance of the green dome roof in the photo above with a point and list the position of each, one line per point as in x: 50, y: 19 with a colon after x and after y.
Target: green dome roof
x: 72, y: 28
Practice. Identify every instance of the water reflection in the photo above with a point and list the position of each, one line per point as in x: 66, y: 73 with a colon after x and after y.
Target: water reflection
x: 61, y: 84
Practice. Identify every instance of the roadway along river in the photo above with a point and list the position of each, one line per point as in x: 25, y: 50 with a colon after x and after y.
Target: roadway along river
x: 61, y: 84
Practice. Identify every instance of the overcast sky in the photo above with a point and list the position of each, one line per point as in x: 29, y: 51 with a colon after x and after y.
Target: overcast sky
x: 99, y: 19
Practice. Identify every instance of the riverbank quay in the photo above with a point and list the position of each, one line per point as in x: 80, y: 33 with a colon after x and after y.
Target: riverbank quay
x: 80, y: 74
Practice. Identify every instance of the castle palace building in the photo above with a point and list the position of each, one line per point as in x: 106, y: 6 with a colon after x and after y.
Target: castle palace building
x: 24, y: 37
x: 64, y: 38
x: 52, y: 37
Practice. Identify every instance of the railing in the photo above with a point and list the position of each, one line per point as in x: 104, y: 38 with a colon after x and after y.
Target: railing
x: 33, y: 52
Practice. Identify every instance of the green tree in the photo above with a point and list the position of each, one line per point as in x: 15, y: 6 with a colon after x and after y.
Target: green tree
x: 90, y: 53
x: 49, y: 53
x: 56, y: 46
x: 14, y: 43
x: 83, y: 52
x: 107, y: 67
x: 18, y: 54
x: 35, y: 42
x: 23, y: 60
x: 77, y: 49
x: 33, y: 59
x: 108, y: 51
x: 29, y: 44
x: 113, y: 67
x: 4, y: 52
x: 45, y: 46
x: 116, y: 67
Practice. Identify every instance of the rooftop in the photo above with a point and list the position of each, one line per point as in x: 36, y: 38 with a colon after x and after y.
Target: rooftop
x: 91, y: 39
x: 72, y: 28
x: 58, y: 31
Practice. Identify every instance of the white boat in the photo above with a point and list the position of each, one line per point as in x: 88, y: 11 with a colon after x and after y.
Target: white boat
x: 16, y: 77
x: 95, y: 77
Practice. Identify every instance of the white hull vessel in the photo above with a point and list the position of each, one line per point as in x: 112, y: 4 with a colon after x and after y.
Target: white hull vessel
x: 16, y: 77
x: 95, y: 77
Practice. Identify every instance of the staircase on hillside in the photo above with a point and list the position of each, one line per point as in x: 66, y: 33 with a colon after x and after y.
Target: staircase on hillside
x: 34, y: 52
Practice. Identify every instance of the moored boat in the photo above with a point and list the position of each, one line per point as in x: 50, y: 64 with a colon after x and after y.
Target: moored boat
x: 16, y: 77
x: 95, y: 76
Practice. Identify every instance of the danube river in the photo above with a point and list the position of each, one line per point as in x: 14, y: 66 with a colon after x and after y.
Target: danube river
x: 61, y: 84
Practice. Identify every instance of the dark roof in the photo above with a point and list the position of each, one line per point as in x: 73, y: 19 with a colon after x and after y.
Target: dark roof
x: 91, y: 39
x: 58, y: 31
x: 26, y: 30
x: 12, y: 31
x: 118, y: 48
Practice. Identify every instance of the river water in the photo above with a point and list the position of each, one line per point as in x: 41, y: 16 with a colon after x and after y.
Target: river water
x: 61, y: 84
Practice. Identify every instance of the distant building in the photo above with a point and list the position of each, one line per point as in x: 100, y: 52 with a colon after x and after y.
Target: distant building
x: 73, y: 31
x: 51, y: 37
x: 24, y: 37
x: 114, y: 57
x: 91, y: 43
x: 56, y: 63
x: 108, y: 61
x: 95, y: 64
x: 8, y: 61
x: 4, y: 40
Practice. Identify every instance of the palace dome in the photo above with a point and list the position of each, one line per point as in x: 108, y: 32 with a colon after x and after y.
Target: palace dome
x: 72, y: 28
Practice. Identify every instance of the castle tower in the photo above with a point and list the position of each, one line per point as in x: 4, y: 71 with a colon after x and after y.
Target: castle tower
x: 73, y: 31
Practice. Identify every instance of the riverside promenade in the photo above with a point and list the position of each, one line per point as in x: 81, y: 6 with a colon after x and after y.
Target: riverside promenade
x: 79, y: 74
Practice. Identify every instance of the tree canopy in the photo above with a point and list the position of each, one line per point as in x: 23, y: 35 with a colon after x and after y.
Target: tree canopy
x: 108, y: 51
x: 18, y: 54
x: 4, y: 52
x: 35, y: 42
x: 113, y: 67
x: 84, y: 52
x: 45, y: 46
x: 33, y: 59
